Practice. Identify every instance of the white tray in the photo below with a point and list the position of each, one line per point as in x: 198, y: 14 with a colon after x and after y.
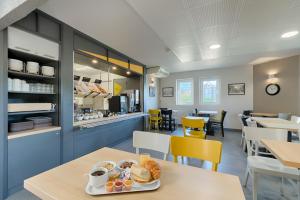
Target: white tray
x: 135, y: 188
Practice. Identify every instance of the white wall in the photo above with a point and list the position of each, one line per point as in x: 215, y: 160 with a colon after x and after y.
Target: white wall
x: 233, y: 104
x: 151, y: 102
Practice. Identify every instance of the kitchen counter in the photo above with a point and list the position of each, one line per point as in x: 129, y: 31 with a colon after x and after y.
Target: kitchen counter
x: 107, y: 120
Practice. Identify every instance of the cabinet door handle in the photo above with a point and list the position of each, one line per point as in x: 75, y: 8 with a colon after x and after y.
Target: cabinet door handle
x: 49, y: 56
x: 57, y: 133
x: 21, y: 48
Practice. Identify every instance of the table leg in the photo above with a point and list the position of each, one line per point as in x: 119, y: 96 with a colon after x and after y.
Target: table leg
x: 289, y: 139
x: 299, y: 184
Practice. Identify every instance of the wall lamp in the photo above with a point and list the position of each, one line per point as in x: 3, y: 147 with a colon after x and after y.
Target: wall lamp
x: 272, y: 78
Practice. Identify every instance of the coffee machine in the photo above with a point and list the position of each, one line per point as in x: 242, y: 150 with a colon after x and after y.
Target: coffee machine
x: 133, y: 100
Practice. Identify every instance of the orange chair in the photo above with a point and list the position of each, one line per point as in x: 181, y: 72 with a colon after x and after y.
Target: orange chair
x: 193, y: 128
x: 154, y: 118
x: 209, y: 150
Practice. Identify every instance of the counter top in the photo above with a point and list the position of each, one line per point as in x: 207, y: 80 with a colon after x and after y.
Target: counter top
x: 107, y: 120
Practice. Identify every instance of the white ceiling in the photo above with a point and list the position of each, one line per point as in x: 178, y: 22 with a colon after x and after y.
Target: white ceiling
x: 176, y: 34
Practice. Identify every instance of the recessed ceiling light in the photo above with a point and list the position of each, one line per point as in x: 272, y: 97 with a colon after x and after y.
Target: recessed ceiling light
x: 94, y: 61
x: 114, y: 67
x: 128, y: 72
x: 289, y: 34
x: 215, y: 46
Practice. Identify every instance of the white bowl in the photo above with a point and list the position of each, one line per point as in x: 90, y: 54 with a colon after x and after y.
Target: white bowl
x: 48, y: 71
x: 32, y: 67
x: 14, y: 64
x: 103, y: 163
x: 122, y: 161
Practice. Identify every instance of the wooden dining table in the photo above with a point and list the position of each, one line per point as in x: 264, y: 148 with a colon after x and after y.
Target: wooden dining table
x: 278, y: 123
x: 259, y: 114
x: 287, y: 153
x: 68, y: 181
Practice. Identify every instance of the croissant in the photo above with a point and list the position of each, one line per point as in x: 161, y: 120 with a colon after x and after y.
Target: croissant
x: 154, y: 168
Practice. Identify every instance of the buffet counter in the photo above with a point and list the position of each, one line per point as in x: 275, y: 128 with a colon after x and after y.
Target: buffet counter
x: 106, y: 120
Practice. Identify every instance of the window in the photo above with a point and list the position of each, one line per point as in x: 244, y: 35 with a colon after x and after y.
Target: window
x: 209, y: 91
x: 184, y: 92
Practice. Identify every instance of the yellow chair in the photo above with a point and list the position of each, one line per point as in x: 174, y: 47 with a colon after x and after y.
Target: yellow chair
x: 154, y: 118
x: 209, y: 150
x: 193, y: 128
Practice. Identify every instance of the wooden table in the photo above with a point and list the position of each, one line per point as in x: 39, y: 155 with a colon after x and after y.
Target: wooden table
x: 286, y: 152
x: 67, y: 182
x: 279, y: 123
x: 206, y: 119
x: 210, y: 112
x: 257, y: 114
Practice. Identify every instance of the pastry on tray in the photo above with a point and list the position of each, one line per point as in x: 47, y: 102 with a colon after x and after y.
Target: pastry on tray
x: 140, y: 174
x: 154, y: 169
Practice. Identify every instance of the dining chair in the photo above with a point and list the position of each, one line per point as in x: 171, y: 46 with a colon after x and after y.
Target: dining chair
x: 151, y: 141
x: 251, y: 123
x: 247, y: 112
x: 257, y: 165
x: 285, y: 116
x: 154, y: 118
x: 253, y: 136
x: 296, y: 119
x: 168, y: 122
x: 243, y: 124
x: 193, y: 128
x: 209, y: 150
x: 218, y: 121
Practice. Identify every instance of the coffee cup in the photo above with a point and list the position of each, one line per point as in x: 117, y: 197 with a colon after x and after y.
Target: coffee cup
x: 98, y: 176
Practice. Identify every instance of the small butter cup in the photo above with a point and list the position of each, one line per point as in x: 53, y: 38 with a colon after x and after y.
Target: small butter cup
x: 128, y: 185
x: 118, y: 186
x: 109, y: 186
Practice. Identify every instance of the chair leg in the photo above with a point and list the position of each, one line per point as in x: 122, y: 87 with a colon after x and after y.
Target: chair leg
x: 254, y: 183
x: 165, y: 156
x: 282, y: 187
x: 246, y: 178
x: 222, y: 127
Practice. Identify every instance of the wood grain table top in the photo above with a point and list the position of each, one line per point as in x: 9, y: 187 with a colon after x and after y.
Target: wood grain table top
x: 206, y: 119
x: 258, y: 114
x: 277, y: 123
x: 286, y: 152
x: 68, y: 181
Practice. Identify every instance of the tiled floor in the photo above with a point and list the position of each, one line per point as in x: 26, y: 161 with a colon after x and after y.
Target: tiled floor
x: 233, y: 162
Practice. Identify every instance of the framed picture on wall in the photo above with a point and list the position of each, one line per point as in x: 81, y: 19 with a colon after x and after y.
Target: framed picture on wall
x: 151, y: 91
x: 168, y: 92
x: 236, y: 89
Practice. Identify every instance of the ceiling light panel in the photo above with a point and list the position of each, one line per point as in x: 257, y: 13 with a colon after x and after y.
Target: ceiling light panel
x: 290, y: 34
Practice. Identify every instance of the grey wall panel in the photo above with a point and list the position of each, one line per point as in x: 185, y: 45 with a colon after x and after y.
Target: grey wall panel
x: 29, y: 22
x: 3, y: 114
x: 89, y: 140
x: 31, y: 155
x: 66, y: 94
x: 49, y: 28
x: 82, y: 43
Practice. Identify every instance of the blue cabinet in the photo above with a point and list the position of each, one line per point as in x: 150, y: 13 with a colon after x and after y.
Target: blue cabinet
x: 92, y: 139
x: 31, y: 155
